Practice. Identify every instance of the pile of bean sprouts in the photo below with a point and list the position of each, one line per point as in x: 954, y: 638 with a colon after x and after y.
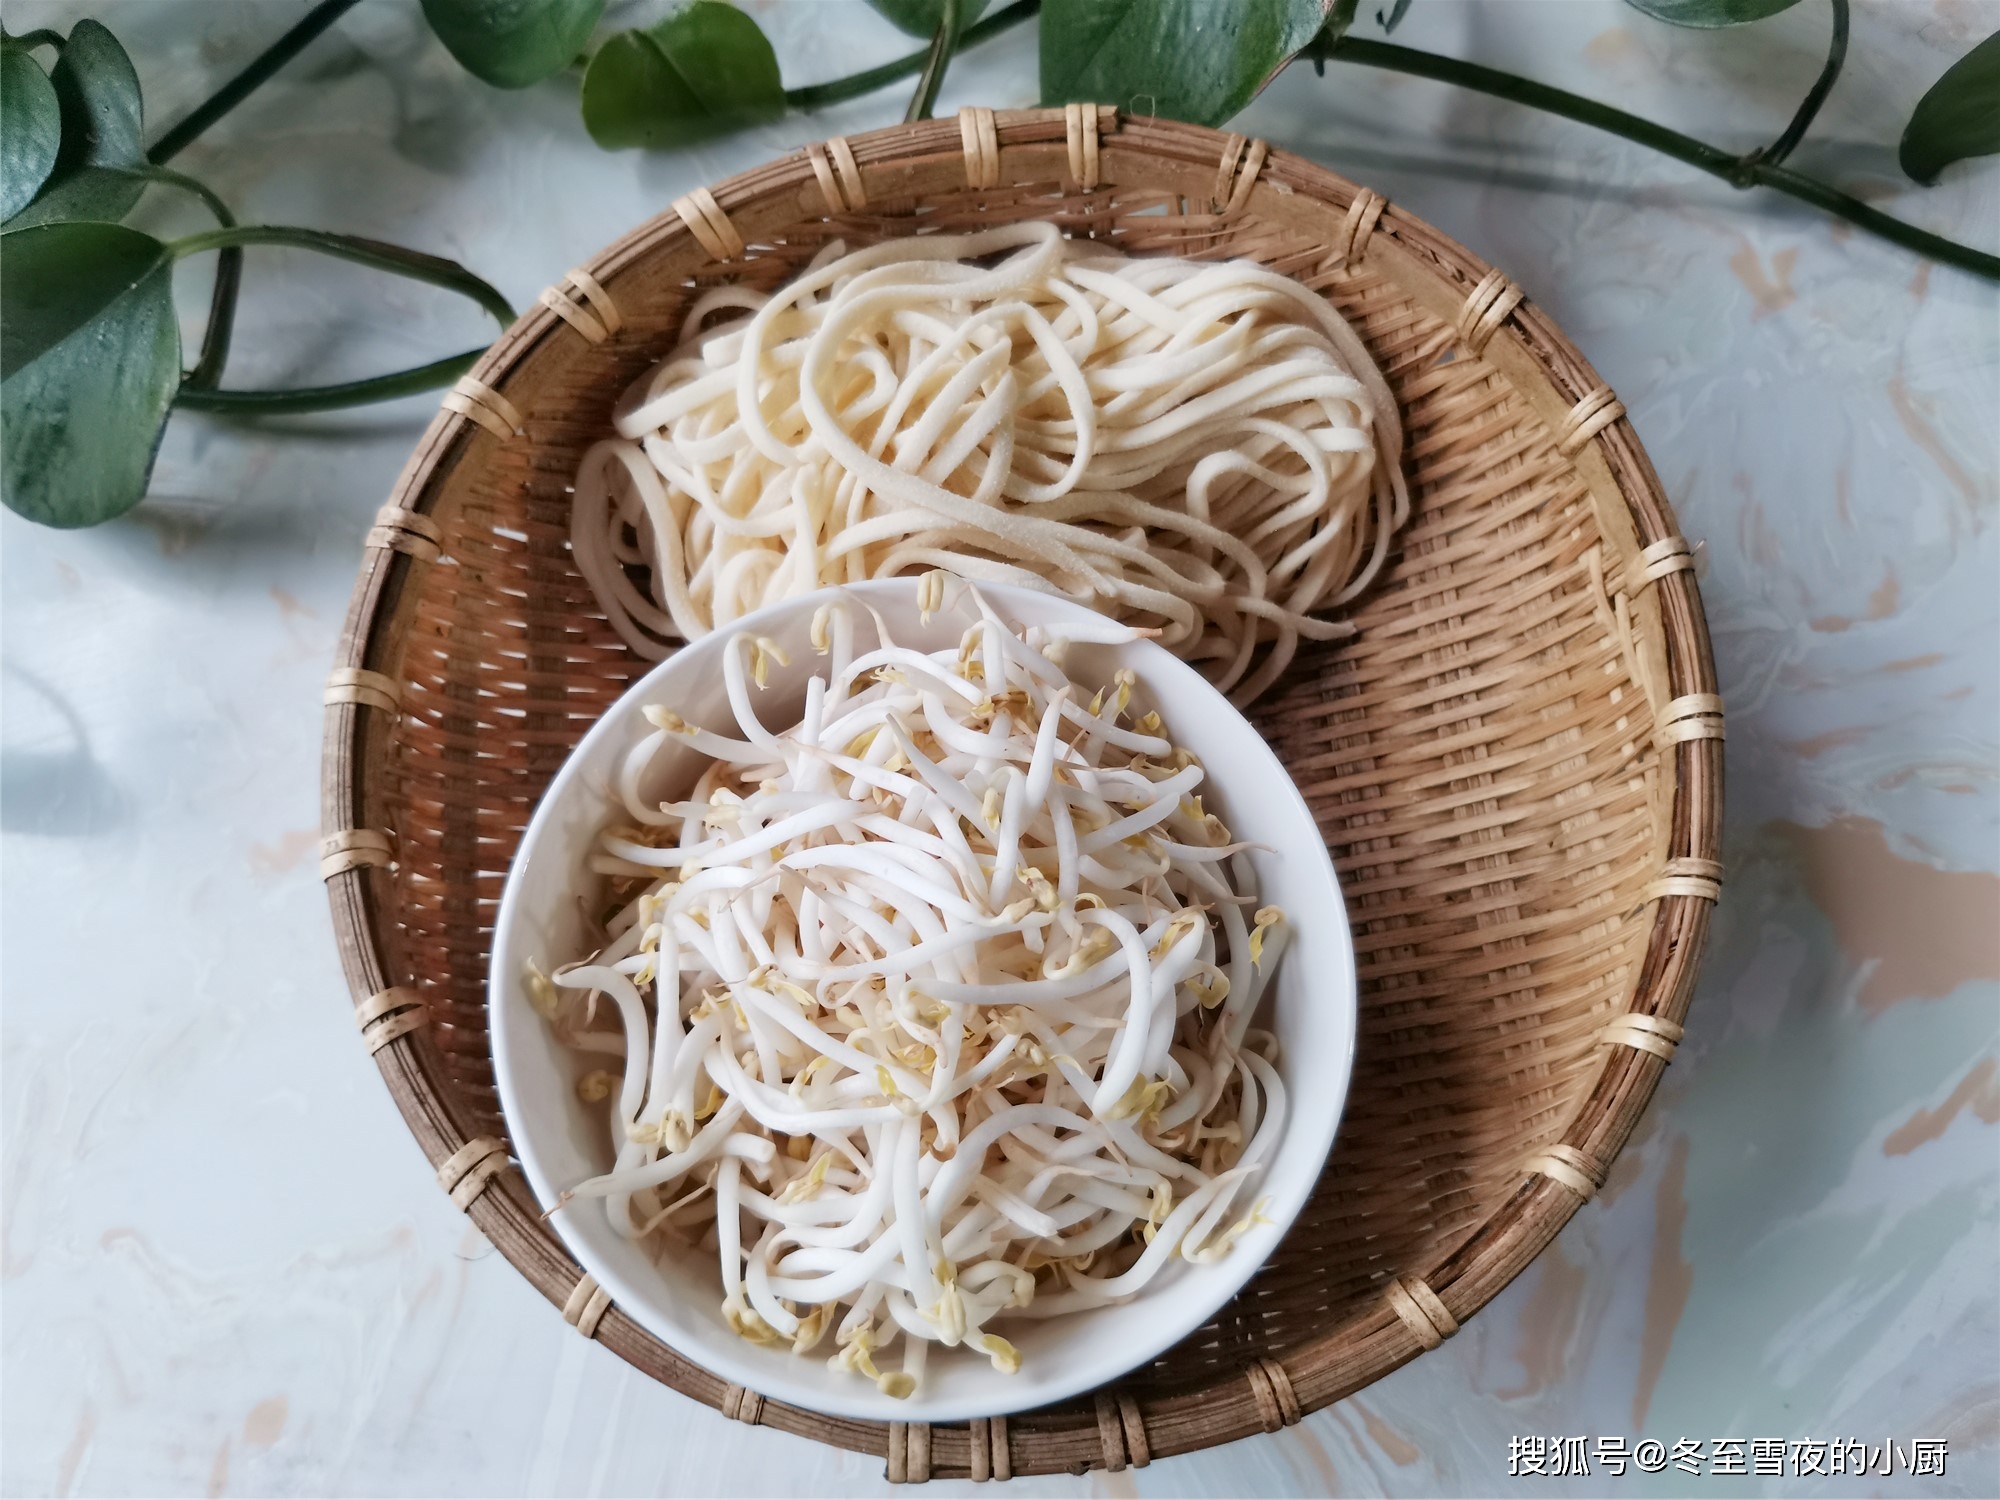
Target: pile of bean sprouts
x: 1206, y: 449
x: 932, y: 1010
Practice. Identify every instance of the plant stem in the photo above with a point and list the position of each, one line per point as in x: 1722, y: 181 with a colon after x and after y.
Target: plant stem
x: 239, y: 88
x: 330, y: 397
x: 41, y: 36
x: 1718, y: 163
x: 819, y: 95
x: 228, y: 279
x: 373, y: 253
x: 935, y: 62
x: 207, y: 371
x: 1836, y: 54
x: 170, y: 178
x: 229, y: 268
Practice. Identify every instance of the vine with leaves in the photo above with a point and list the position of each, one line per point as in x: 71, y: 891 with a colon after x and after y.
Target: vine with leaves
x: 91, y: 364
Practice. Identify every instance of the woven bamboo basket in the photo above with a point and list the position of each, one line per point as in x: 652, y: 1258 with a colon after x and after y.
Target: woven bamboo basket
x: 1517, y: 762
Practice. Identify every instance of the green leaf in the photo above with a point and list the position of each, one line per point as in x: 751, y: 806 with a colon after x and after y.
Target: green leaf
x: 103, y: 139
x: 1710, y: 13
x: 30, y: 128
x: 513, y: 43
x: 89, y: 362
x: 1198, y: 60
x: 1959, y: 117
x: 923, y: 17
x: 704, y: 70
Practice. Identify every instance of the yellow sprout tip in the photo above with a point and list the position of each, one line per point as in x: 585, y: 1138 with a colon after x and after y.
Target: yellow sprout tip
x: 930, y: 594
x: 1006, y: 1358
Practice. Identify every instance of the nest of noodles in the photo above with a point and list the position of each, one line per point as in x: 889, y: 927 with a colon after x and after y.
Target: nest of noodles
x: 1516, y: 760
x: 1202, y: 449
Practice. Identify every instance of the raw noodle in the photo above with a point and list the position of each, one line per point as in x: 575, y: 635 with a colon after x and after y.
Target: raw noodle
x: 1204, y: 449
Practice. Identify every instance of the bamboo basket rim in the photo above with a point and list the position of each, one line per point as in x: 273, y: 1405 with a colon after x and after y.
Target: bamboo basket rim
x: 1104, y: 148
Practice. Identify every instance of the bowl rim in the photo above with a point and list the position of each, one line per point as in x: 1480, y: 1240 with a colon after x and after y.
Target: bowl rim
x: 1176, y: 1319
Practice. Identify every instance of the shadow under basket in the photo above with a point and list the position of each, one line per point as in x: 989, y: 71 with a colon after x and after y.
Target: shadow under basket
x: 1517, y: 762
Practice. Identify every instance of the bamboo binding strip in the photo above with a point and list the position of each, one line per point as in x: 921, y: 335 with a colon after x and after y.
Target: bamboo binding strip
x: 358, y: 685
x: 1121, y: 1432
x: 1080, y: 128
x: 838, y: 174
x: 353, y: 849
x: 407, y: 531
x: 980, y: 140
x: 909, y: 1452
x: 987, y: 1455
x: 1242, y: 160
x: 1500, y: 759
x: 1645, y: 1033
x: 709, y: 224
x: 1487, y: 306
x: 1350, y: 242
x: 584, y: 1308
x: 1421, y: 1310
x: 473, y: 398
x: 580, y: 300
x: 1587, y: 418
x: 1669, y: 555
x: 1699, y: 878
x: 1271, y: 1388
x: 1693, y: 716
x: 469, y: 1170
x: 1571, y: 1168
x: 388, y: 1014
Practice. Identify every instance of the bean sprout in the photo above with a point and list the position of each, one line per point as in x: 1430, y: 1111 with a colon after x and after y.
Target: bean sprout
x: 1204, y: 449
x: 933, y: 1010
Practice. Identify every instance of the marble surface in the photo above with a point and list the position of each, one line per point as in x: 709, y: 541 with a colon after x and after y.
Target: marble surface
x: 226, y: 1267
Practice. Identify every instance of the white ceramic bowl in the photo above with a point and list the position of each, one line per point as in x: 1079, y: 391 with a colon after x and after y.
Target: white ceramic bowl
x: 1310, y: 1005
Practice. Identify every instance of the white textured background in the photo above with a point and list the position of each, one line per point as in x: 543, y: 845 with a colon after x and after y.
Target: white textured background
x: 226, y: 1267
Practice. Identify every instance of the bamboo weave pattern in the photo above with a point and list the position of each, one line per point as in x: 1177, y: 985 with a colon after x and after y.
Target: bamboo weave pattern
x: 1516, y: 763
